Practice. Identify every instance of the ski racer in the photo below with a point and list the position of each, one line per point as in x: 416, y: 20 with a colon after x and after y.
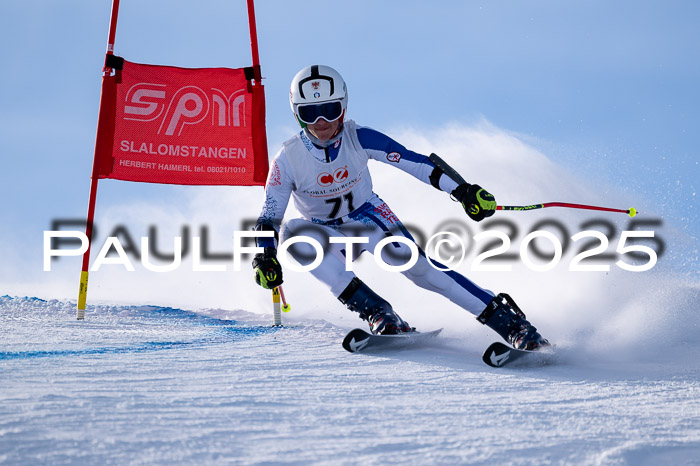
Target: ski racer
x: 324, y: 168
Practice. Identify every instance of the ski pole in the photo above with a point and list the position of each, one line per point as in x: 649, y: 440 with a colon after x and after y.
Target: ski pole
x: 457, y: 178
x: 277, y: 316
x: 631, y: 211
x: 277, y: 294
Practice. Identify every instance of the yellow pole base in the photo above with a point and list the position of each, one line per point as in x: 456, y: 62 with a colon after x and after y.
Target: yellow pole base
x: 82, y: 295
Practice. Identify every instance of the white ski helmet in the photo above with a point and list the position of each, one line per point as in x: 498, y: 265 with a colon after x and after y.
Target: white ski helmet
x: 318, y: 91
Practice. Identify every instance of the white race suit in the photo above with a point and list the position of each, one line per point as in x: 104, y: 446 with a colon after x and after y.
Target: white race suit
x: 332, y: 190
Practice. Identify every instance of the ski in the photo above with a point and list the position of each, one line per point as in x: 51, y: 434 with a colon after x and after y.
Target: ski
x: 359, y: 340
x: 499, y: 354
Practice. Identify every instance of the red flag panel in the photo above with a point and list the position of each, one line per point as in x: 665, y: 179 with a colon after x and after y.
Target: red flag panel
x: 163, y: 124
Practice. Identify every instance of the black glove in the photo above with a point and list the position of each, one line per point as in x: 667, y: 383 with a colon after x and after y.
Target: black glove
x: 477, y: 202
x: 268, y: 272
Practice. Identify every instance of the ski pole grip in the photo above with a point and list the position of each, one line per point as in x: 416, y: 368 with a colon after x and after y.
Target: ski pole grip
x: 446, y: 169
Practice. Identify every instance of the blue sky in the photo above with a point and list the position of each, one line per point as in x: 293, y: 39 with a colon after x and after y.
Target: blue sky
x: 608, y: 88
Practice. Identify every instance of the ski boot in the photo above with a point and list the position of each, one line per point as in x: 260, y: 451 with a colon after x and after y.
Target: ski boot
x: 382, y: 319
x: 505, y: 318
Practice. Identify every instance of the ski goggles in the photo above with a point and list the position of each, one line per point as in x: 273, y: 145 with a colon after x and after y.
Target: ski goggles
x: 311, y: 113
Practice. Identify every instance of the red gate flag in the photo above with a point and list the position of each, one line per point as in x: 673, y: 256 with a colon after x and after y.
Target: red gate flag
x: 163, y: 124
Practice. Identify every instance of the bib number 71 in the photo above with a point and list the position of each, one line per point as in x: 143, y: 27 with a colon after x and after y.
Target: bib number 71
x: 337, y: 203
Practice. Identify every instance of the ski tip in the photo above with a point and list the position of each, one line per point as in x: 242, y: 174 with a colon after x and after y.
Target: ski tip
x: 356, y: 340
x: 499, y: 354
x: 496, y: 355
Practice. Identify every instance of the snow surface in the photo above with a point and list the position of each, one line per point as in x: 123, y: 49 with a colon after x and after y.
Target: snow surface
x: 208, y: 381
x: 154, y: 385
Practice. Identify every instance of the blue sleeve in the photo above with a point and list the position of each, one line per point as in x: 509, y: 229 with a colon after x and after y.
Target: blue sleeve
x: 381, y: 147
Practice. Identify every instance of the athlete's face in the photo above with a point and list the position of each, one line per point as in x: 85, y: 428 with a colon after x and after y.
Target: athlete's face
x: 323, y: 130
